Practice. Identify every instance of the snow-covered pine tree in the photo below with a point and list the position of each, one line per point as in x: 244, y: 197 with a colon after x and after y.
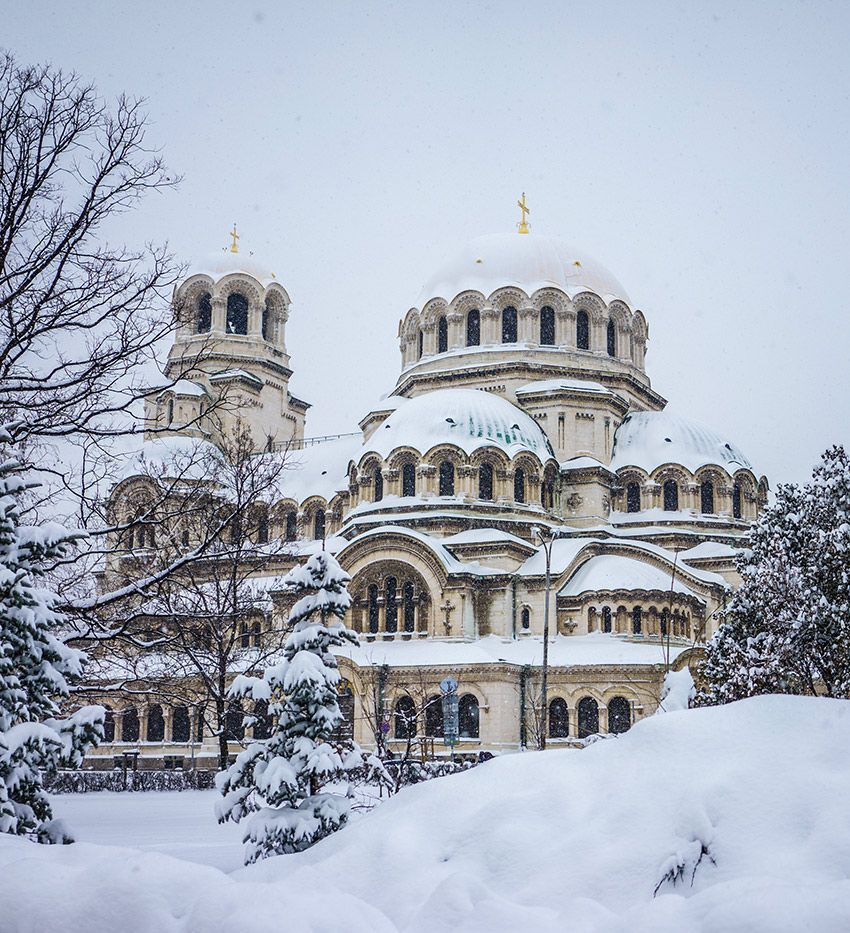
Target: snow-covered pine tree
x: 787, y: 629
x: 35, y: 666
x: 280, y: 783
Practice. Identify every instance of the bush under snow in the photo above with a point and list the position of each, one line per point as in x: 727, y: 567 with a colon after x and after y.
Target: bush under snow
x: 731, y: 818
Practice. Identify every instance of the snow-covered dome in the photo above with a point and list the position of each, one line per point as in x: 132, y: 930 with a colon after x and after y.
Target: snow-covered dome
x: 468, y: 418
x: 648, y: 439
x: 224, y: 262
x: 529, y: 261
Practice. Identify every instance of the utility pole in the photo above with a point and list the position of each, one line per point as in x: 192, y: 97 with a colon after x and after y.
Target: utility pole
x: 546, y: 544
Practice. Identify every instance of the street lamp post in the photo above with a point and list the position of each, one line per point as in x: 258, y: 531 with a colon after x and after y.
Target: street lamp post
x: 546, y: 544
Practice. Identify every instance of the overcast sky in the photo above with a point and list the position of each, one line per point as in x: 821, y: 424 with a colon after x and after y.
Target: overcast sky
x: 699, y: 151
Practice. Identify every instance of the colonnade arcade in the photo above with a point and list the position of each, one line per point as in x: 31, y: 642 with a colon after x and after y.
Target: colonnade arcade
x: 548, y: 318
x: 653, y: 615
x: 390, y: 599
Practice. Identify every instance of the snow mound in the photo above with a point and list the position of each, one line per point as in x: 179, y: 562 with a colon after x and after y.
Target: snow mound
x: 723, y: 819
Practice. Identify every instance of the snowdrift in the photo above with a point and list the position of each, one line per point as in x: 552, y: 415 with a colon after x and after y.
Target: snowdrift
x: 727, y: 819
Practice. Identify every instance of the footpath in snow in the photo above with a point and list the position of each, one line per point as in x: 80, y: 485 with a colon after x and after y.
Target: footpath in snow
x: 727, y: 819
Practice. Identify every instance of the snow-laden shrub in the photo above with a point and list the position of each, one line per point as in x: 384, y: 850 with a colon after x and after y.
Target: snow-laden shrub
x: 36, y: 668
x: 84, y: 782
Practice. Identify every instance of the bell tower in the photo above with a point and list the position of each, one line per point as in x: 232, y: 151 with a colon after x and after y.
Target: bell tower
x: 230, y: 348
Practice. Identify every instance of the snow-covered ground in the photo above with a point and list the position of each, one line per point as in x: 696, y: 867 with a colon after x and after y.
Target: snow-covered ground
x: 728, y: 819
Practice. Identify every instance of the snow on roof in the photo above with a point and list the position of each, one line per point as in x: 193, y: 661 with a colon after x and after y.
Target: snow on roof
x: 182, y: 452
x: 184, y: 387
x: 566, y: 550
x: 448, y: 560
x: 319, y: 470
x: 235, y: 374
x: 615, y: 572
x: 565, y: 385
x: 564, y: 651
x: 223, y: 262
x: 529, y: 261
x: 467, y: 418
x: 484, y: 536
x: 582, y: 463
x: 708, y: 550
x: 647, y: 439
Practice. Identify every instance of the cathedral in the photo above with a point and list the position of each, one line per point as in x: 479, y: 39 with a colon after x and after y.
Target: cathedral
x: 521, y: 475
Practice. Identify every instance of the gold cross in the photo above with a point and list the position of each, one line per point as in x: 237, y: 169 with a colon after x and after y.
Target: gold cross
x: 522, y: 226
x: 234, y: 236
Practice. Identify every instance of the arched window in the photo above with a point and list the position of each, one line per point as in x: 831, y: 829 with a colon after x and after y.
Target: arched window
x: 374, y: 614
x: 509, y: 325
x: 606, y: 619
x: 129, y: 726
x: 405, y: 718
x: 180, y: 724
x: 156, y: 723
x: 171, y: 411
x: 263, y: 530
x: 291, y: 525
x: 447, y: 478
x: 706, y: 497
x: 420, y: 344
x: 442, y: 334
x: 612, y: 339
x: 665, y: 622
x: 244, y: 636
x: 199, y: 732
x: 257, y: 634
x: 736, y: 500
x: 467, y: 714
x: 390, y: 592
x: 379, y: 485
x: 319, y: 525
x: 234, y: 723
x: 525, y: 618
x: 582, y: 331
x: 434, y: 717
x: 203, y: 315
x: 408, y: 479
x: 547, y: 326
x: 485, y: 481
x: 671, y: 495
x: 637, y: 620
x: 588, y: 717
x: 633, y: 497
x: 262, y: 721
x: 109, y: 726
x: 547, y: 491
x: 473, y: 328
x: 619, y: 715
x: 409, y: 607
x: 237, y: 313
x: 559, y: 719
x: 519, y: 485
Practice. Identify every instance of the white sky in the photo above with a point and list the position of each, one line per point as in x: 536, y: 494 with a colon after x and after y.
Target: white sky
x: 700, y: 151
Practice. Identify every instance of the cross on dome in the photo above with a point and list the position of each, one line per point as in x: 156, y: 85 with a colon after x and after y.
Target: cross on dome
x: 522, y: 226
x: 234, y: 248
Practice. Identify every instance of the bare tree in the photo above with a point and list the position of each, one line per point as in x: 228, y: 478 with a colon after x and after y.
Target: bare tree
x: 184, y: 636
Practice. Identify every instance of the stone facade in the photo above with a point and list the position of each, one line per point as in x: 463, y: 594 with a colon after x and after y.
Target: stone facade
x: 523, y: 411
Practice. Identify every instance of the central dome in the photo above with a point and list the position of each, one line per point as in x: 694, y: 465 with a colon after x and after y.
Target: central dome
x: 527, y: 261
x: 467, y: 418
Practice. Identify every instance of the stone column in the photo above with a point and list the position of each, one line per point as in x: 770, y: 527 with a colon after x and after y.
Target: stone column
x: 565, y: 327
x: 219, y: 315
x: 457, y: 335
x: 528, y: 325
x: 490, y: 319
x: 392, y: 482
x: 467, y: 477
x: 429, y: 342
x: 425, y: 480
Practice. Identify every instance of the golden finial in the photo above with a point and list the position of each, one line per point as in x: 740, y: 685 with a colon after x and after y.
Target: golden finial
x: 522, y: 226
x: 234, y: 237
